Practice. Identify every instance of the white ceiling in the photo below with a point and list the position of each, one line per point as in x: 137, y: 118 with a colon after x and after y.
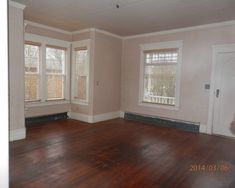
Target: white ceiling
x: 133, y: 16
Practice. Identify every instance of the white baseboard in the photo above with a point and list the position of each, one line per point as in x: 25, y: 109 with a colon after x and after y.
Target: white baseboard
x: 122, y: 114
x: 106, y: 116
x: 202, y: 128
x: 81, y: 117
x: 95, y: 118
x: 17, y: 134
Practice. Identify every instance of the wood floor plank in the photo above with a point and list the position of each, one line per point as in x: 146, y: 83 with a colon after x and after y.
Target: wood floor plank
x: 119, y: 153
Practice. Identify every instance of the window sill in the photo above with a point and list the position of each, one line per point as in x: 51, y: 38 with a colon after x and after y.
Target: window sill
x: 47, y: 103
x: 83, y: 103
x: 160, y: 106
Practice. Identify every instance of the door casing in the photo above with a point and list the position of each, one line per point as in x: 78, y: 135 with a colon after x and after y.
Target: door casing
x: 225, y: 48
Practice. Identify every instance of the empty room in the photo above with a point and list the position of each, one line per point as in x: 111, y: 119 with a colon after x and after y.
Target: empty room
x: 121, y: 93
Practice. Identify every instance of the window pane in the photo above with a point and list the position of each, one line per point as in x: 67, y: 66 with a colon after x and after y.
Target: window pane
x: 81, y: 74
x: 31, y: 53
x: 165, y: 57
x: 55, y: 60
x: 159, y: 84
x: 31, y: 87
x: 55, y: 86
x: 81, y: 89
x: 55, y: 69
x: 31, y: 58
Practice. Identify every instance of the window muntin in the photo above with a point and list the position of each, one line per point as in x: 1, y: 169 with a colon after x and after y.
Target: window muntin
x: 160, y: 72
x: 81, y: 74
x: 47, y: 74
x: 55, y: 72
x: 32, y: 74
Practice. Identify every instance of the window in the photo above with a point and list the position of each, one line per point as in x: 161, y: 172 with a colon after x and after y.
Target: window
x: 46, y: 71
x: 55, y: 72
x: 160, y: 70
x: 32, y: 76
x: 81, y: 58
x: 80, y: 80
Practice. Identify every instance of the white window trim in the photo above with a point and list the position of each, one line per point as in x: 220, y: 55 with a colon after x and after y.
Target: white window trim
x: 42, y: 70
x: 77, y: 44
x: 156, y: 46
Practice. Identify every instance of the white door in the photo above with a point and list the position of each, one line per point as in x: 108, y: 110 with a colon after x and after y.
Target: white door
x: 224, y: 103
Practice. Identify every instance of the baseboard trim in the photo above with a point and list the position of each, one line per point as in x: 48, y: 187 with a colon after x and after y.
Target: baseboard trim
x: 81, y: 117
x: 203, y: 129
x: 95, y: 118
x: 17, y: 134
x: 122, y: 114
x: 106, y: 116
x: 165, y: 122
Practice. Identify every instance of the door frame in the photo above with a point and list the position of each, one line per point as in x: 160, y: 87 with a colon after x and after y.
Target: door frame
x: 216, y: 49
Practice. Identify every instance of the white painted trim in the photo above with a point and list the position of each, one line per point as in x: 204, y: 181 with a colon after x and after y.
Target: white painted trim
x: 81, y: 31
x: 154, y: 46
x: 106, y: 116
x: 198, y: 27
x: 81, y: 117
x: 215, y: 50
x: 202, y: 129
x: 159, y: 106
x: 122, y: 114
x: 98, y: 31
x: 42, y: 87
x: 27, y: 22
x: 46, y: 103
x: 17, y: 134
x: 184, y: 29
x: 96, y: 118
x: 16, y: 5
x: 108, y: 33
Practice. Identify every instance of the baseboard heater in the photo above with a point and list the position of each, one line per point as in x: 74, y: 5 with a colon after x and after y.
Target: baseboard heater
x: 165, y: 122
x: 43, y: 119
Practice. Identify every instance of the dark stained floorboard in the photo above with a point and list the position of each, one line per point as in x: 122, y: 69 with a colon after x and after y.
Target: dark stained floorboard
x: 119, y: 153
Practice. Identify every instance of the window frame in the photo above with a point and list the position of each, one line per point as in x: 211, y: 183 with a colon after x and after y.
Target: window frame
x: 80, y: 44
x: 44, y: 41
x: 159, y: 46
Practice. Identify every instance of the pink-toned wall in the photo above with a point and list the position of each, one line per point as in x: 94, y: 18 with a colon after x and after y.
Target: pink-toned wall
x: 47, y: 33
x: 195, y: 72
x: 107, y: 74
x: 16, y: 68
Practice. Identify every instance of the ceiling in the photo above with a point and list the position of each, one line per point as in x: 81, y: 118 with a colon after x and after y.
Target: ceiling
x: 132, y: 17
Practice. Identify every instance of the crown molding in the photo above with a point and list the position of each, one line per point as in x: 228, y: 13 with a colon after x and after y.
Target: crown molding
x: 213, y: 25
x: 81, y: 31
x: 97, y: 30
x: 27, y: 22
x: 16, y: 5
x: 108, y: 33
x: 205, y: 26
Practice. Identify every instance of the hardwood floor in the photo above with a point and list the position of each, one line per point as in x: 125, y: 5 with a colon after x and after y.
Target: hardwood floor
x: 117, y: 154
